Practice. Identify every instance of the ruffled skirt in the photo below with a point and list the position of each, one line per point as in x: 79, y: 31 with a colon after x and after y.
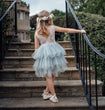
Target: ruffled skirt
x: 49, y: 59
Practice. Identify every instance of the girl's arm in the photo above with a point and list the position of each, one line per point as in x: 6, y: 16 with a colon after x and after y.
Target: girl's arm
x: 68, y: 30
x: 36, y: 41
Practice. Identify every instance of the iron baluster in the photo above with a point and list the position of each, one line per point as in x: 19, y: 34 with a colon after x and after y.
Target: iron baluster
x: 83, y: 60
x: 0, y: 44
x: 89, y: 75
x: 16, y: 18
x: 95, y: 60
x: 77, y: 44
x: 86, y: 67
x: 66, y: 15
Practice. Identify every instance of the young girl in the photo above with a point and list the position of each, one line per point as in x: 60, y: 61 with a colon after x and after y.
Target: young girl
x: 49, y: 55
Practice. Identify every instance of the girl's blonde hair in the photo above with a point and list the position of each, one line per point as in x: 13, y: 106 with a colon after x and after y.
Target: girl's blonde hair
x: 42, y: 24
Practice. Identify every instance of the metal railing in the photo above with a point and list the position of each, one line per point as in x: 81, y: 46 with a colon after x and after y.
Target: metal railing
x: 86, y: 57
x: 8, y: 29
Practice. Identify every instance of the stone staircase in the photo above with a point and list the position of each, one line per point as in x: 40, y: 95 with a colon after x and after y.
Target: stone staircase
x: 20, y: 89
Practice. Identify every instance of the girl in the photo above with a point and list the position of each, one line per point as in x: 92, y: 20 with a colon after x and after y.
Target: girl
x: 49, y: 55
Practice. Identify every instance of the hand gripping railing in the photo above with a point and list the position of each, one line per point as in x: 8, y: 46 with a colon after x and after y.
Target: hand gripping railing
x: 86, y: 57
x: 8, y: 29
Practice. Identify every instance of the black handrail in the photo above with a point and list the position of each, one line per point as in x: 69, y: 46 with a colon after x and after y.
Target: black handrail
x: 7, y: 30
x: 84, y: 51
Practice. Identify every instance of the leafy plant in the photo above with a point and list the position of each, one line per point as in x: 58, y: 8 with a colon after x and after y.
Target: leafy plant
x: 91, y: 6
x: 66, y: 35
x: 3, y: 7
x: 95, y: 28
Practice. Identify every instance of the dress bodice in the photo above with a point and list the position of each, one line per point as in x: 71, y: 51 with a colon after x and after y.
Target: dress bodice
x: 51, y: 37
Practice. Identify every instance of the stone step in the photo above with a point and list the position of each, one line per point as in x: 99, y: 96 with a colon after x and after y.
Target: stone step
x: 25, y: 62
x: 18, y: 45
x: 64, y: 88
x: 37, y: 103
x: 28, y: 74
x: 28, y: 52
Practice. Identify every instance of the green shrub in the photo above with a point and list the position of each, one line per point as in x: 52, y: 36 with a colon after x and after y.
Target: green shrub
x: 32, y: 35
x: 60, y: 21
x: 95, y: 28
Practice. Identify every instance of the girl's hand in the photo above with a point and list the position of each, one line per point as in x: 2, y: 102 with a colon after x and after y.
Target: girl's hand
x: 83, y: 31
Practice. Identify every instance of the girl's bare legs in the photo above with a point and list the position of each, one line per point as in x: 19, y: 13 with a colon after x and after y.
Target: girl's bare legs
x: 47, y: 88
x: 50, y: 84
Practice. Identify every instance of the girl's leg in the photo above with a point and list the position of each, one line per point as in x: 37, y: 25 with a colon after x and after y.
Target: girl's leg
x: 50, y: 84
x: 47, y: 88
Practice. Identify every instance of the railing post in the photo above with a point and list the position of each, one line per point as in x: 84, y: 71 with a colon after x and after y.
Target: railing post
x: 66, y: 15
x: 77, y: 44
x: 89, y: 76
x: 16, y: 18
x: 0, y: 45
x: 86, y: 68
x: 95, y: 60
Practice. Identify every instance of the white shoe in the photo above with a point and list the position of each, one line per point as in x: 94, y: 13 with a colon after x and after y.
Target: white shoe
x: 46, y: 95
x: 54, y: 98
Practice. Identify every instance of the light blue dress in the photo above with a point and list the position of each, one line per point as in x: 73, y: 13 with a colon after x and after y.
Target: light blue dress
x: 49, y: 56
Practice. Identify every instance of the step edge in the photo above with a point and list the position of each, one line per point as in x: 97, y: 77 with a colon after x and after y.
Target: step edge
x: 62, y: 83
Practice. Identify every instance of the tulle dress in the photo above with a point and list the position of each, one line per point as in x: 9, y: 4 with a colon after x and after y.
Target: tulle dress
x: 49, y: 56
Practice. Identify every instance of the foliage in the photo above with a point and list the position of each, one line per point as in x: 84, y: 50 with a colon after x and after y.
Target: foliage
x: 78, y: 4
x: 66, y: 35
x: 3, y: 7
x: 59, y: 20
x: 24, y: 3
x: 32, y: 35
x: 58, y: 12
x: 91, y: 6
x: 96, y: 7
x: 95, y: 28
x: 33, y: 21
x: 33, y: 26
x: 4, y: 24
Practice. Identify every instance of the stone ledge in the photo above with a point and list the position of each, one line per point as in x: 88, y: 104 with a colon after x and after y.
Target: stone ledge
x: 32, y: 49
x: 71, y: 103
x: 64, y: 83
x: 24, y: 57
x: 63, y: 41
x: 33, y: 42
x: 31, y: 69
x: 39, y: 102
